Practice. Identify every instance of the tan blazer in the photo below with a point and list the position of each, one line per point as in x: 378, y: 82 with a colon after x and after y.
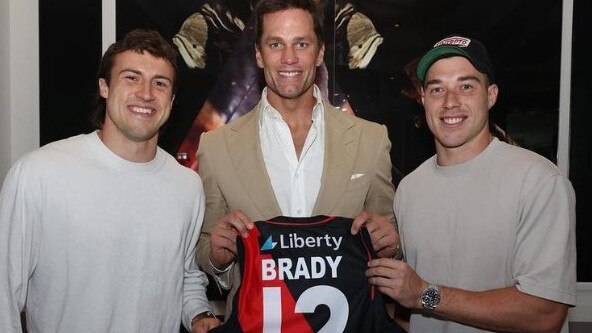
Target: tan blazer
x: 356, y: 175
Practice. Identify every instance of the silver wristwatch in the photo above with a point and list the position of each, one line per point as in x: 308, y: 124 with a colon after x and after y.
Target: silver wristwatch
x: 430, y: 298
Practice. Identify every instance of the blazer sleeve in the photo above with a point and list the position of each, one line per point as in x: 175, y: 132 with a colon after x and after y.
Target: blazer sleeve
x: 381, y: 194
x: 216, y: 207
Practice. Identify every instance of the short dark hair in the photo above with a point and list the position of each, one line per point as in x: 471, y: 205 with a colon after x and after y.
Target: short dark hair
x: 265, y: 7
x: 140, y: 41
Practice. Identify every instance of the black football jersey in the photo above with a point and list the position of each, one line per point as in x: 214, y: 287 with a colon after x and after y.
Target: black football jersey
x: 306, y: 275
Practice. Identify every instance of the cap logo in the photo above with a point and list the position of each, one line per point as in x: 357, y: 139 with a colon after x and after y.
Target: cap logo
x: 454, y: 41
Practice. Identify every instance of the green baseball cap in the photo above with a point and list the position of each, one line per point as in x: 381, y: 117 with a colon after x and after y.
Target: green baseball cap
x: 454, y: 45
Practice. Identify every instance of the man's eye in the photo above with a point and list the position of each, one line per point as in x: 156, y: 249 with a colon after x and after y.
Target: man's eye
x: 131, y: 77
x: 161, y: 84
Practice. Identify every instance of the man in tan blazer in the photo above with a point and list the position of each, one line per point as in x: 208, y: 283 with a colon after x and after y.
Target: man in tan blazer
x: 294, y: 154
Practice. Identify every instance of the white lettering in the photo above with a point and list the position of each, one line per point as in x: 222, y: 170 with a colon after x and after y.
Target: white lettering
x: 458, y: 41
x: 268, y: 271
x: 283, y: 245
x: 293, y: 241
x: 333, y: 264
x: 317, y: 267
x: 337, y: 242
x: 303, y: 268
x: 284, y: 265
x: 298, y: 241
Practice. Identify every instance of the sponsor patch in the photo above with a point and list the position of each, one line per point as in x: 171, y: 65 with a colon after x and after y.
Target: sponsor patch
x: 454, y: 41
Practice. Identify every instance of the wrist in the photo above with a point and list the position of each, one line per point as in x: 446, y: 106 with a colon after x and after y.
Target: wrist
x: 217, y: 269
x: 202, y: 315
x: 430, y: 297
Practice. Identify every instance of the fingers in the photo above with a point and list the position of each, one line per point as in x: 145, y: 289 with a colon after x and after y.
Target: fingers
x: 223, y: 239
x: 396, y: 279
x: 382, y: 264
x: 238, y: 221
x: 359, y: 221
x: 384, y: 244
x: 204, y: 325
x: 386, y: 268
x: 223, y: 249
x: 385, y: 274
x: 383, y: 233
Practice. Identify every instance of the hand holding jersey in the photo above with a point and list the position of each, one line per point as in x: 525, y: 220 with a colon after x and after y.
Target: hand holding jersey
x: 223, y: 239
x: 306, y: 275
x: 205, y: 324
x: 223, y: 252
x: 383, y: 234
x: 396, y: 279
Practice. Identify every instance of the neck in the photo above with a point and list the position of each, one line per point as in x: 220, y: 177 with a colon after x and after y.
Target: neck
x: 137, y: 152
x: 449, y: 156
x: 293, y: 108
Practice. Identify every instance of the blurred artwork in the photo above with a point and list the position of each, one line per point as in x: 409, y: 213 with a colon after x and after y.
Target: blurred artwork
x: 227, y: 29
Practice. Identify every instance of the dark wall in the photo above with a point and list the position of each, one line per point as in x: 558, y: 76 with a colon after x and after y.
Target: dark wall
x: 581, y: 135
x: 70, y: 49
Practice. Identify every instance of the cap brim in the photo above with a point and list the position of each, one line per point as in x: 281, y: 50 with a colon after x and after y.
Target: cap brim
x: 435, y: 54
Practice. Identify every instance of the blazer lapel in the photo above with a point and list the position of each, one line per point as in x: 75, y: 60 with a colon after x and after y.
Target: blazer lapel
x: 247, y: 159
x: 340, y: 153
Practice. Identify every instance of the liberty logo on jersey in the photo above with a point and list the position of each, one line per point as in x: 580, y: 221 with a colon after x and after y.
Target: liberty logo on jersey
x: 293, y: 241
x: 268, y: 245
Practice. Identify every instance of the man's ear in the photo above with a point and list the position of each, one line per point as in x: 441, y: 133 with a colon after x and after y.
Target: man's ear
x: 321, y: 55
x: 258, y: 57
x: 492, y: 92
x: 421, y: 93
x: 103, y: 88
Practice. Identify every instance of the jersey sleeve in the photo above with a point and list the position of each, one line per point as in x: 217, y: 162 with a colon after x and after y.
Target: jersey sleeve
x: 215, y: 208
x: 382, y: 191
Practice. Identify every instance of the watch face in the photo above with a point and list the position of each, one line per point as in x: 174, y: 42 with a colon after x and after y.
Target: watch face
x: 430, y: 298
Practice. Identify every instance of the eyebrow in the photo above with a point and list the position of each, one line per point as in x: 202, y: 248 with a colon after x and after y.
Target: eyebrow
x: 135, y: 71
x: 296, y: 39
x: 460, y: 79
x: 469, y: 78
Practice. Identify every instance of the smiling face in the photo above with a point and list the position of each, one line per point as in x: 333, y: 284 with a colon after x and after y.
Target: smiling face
x: 139, y: 98
x: 457, y: 98
x: 289, y: 53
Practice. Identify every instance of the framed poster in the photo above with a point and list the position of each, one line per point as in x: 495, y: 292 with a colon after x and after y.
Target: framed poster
x: 371, y: 47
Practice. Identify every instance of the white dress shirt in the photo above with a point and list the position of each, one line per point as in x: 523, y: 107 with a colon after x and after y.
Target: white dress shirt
x: 296, y: 182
